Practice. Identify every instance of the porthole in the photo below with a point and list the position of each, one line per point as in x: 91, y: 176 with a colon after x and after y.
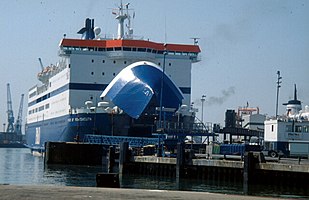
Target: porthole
x: 92, y: 61
x: 103, y: 61
x: 92, y: 73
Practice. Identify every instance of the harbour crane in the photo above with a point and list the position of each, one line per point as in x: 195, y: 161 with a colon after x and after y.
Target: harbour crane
x: 18, y: 123
x: 10, y: 126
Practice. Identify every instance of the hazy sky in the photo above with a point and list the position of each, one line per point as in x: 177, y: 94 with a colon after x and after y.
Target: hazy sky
x: 243, y: 45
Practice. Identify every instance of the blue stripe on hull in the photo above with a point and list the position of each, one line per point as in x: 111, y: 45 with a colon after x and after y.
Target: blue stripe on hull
x: 66, y: 128
x: 72, y: 86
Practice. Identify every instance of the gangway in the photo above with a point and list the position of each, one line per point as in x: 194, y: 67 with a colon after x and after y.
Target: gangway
x: 116, y: 140
x: 189, y: 129
x: 170, y: 131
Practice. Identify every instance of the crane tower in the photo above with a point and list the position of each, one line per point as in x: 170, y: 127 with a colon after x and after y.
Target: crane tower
x: 10, y: 127
x: 18, y: 123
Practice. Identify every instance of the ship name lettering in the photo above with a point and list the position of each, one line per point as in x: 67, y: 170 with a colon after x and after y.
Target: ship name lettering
x: 81, y: 119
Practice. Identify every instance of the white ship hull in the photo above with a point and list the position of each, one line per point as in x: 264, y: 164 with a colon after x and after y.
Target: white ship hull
x: 85, y: 69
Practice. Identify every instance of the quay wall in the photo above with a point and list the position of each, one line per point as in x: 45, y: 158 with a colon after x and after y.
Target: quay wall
x: 74, y: 153
x: 251, y: 169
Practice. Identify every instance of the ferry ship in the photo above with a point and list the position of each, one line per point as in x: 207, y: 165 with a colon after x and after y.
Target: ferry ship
x: 67, y: 103
x: 288, y: 135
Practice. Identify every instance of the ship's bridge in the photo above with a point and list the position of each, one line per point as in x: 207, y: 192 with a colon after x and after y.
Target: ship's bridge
x: 120, y: 45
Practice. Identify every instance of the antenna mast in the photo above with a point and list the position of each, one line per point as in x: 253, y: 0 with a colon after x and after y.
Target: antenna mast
x: 278, y: 87
x: 129, y: 26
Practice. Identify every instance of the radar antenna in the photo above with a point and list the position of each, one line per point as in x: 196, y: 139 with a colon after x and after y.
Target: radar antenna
x: 195, y: 40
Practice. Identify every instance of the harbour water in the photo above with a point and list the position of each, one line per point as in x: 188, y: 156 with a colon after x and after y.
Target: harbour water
x: 19, y: 167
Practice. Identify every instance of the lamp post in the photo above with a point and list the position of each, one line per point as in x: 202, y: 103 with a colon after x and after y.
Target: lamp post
x: 278, y: 86
x: 162, y: 86
x: 160, y: 151
x: 203, y: 100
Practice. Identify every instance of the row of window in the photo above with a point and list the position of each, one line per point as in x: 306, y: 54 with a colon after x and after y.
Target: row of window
x: 92, y: 73
x: 297, y: 128
x: 46, y: 96
x: 125, y: 62
x: 35, y: 110
x: 32, y: 94
x: 136, y: 49
x: 103, y: 61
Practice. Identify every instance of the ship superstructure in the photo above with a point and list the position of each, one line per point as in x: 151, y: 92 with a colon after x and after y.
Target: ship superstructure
x: 67, y: 103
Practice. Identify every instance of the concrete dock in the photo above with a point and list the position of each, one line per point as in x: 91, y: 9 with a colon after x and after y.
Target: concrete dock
x: 24, y: 192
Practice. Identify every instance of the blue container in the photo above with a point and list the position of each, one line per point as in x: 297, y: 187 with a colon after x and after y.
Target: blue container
x: 232, y: 149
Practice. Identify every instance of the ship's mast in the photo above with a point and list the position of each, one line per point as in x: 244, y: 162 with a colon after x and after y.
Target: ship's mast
x: 120, y: 16
x: 130, y: 29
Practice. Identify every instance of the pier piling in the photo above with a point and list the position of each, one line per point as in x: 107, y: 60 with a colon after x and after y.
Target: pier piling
x: 179, y: 160
x: 123, y: 156
x: 111, y: 159
x: 249, y: 168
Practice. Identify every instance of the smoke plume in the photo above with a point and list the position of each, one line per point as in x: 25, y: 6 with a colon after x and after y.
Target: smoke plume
x: 209, y: 101
x: 221, y: 99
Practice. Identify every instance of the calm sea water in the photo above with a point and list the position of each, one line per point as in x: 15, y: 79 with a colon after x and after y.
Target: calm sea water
x: 19, y: 167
